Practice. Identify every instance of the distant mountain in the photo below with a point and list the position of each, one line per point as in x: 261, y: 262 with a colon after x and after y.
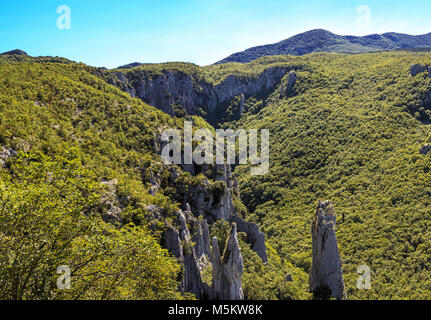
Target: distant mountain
x: 130, y: 65
x: 14, y: 52
x: 320, y: 40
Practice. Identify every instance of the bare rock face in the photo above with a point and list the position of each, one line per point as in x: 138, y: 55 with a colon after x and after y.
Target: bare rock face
x: 194, y: 253
x: 241, y: 105
x: 6, y: 153
x: 326, y: 277
x: 228, y: 269
x: 202, y: 239
x: 173, y: 89
x: 179, y: 243
x: 291, y: 81
x: 192, y: 277
x: 208, y: 204
x: 416, y: 69
x: 173, y: 243
x: 425, y: 149
x: 111, y: 201
x: 254, y: 235
x: 205, y: 273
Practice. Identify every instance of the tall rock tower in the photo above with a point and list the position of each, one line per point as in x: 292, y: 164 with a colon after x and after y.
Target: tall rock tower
x: 227, y: 270
x: 326, y: 276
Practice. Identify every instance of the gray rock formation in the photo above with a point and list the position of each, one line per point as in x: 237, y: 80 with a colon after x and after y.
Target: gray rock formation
x: 173, y: 88
x: 241, y: 104
x: 326, y: 277
x: 417, y: 68
x: 201, y: 239
x: 110, y: 201
x: 203, y: 201
x: 281, y: 92
x: 227, y: 270
x: 291, y: 81
x: 254, y: 236
x: 188, y: 237
x: 173, y: 243
x: 6, y: 153
x: 192, y: 276
x: 179, y: 243
x: 425, y: 149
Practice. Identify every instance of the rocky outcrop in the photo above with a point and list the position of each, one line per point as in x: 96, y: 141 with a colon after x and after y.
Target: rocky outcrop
x: 425, y: 149
x: 291, y: 81
x: 326, y: 277
x: 202, y: 239
x: 179, y: 244
x: 174, y: 91
x: 194, y: 253
x: 227, y: 270
x: 5, y: 154
x: 241, y: 104
x: 110, y: 201
x: 254, y: 236
x: 173, y: 243
x: 416, y: 69
x: 204, y: 202
x: 212, y: 204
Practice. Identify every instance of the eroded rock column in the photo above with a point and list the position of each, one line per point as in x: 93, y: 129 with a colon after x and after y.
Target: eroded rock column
x: 228, y: 269
x: 326, y: 276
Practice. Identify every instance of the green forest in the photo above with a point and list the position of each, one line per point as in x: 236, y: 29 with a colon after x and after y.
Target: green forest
x: 81, y: 155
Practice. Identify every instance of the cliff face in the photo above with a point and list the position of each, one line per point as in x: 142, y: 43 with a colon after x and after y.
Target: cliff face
x: 423, y: 109
x: 175, y: 92
x: 326, y: 276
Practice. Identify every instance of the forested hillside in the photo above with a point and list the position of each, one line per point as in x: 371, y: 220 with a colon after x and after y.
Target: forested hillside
x: 320, y: 40
x: 355, y: 131
x: 83, y: 185
x: 66, y: 136
x: 82, y: 182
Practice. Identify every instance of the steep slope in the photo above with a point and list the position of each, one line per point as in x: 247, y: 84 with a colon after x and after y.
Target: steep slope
x: 355, y: 133
x: 213, y: 92
x: 324, y: 41
x: 72, y: 150
x: 350, y: 128
x: 83, y: 185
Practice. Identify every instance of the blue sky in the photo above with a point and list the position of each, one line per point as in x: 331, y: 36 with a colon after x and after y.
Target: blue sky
x: 113, y: 32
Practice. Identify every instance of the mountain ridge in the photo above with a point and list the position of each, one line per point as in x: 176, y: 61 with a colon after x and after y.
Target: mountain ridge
x: 320, y: 40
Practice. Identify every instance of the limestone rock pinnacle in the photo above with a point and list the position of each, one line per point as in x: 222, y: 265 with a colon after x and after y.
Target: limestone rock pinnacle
x: 326, y: 277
